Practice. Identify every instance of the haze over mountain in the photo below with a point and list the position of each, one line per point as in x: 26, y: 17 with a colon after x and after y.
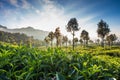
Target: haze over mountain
x: 29, y: 31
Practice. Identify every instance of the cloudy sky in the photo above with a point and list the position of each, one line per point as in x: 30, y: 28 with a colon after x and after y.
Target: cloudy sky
x: 49, y: 14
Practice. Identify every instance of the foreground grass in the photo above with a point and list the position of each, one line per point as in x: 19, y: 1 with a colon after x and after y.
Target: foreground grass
x: 22, y: 63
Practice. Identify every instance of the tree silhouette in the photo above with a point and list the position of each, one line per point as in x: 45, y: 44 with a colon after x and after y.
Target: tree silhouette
x: 69, y: 41
x: 72, y: 26
x: 111, y: 38
x: 58, y: 36
x: 51, y: 36
x: 81, y: 41
x: 91, y: 41
x: 85, y: 37
x: 98, y: 41
x: 103, y: 30
x: 75, y: 40
x: 47, y: 40
x: 65, y: 40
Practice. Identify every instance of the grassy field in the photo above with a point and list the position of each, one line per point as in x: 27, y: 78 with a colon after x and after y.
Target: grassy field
x: 90, y: 63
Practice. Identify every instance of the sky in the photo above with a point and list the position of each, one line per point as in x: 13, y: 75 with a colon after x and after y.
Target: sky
x: 48, y: 14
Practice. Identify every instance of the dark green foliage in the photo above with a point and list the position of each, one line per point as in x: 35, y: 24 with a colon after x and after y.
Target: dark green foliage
x: 65, y: 40
x: 58, y: 36
x: 110, y: 38
x: 85, y: 36
x: 19, y: 38
x: 103, y: 30
x: 23, y: 63
x: 51, y: 37
x: 72, y: 26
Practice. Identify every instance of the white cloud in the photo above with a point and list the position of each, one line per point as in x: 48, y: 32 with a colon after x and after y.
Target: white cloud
x: 37, y: 11
x: 25, y: 4
x: 50, y: 16
x: 47, y: 19
x: 14, y: 3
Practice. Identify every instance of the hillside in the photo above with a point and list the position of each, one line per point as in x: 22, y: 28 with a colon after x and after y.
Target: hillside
x: 29, y: 31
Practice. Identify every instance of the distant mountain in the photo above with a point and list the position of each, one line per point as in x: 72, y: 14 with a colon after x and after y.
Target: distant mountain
x: 29, y: 31
x: 3, y: 27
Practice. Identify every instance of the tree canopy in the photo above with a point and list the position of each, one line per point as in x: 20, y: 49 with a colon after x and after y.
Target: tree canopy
x: 72, y: 26
x: 103, y: 30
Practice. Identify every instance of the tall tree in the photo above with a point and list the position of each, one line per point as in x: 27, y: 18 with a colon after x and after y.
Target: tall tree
x: 65, y: 40
x: 111, y: 38
x: 85, y: 37
x: 72, y: 26
x: 75, y: 40
x: 103, y: 30
x: 69, y: 41
x: 58, y: 36
x: 81, y: 41
x: 51, y: 37
x: 47, y: 40
x: 98, y: 41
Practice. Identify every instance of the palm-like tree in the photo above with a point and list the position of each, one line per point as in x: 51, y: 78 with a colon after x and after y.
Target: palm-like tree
x: 72, y: 26
x: 85, y: 37
x: 58, y: 36
x: 103, y: 30
x: 51, y: 37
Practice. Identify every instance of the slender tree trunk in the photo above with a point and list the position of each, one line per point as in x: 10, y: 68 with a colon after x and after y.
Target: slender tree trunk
x: 81, y: 44
x: 84, y: 42
x: 66, y: 44
x: 73, y: 40
x: 98, y: 43
x: 110, y: 44
x: 57, y: 43
x: 51, y: 43
x: 102, y: 43
x: 76, y: 44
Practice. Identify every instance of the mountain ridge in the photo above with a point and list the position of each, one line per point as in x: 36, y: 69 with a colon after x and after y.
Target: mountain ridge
x: 29, y: 31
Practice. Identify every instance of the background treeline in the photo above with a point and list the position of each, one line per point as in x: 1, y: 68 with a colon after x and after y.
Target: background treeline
x: 20, y: 39
x: 103, y: 32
